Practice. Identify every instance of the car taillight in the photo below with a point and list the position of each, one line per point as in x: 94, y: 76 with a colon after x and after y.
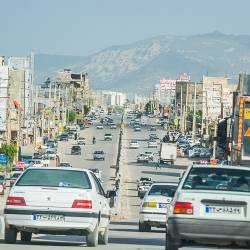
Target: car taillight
x: 82, y: 204
x: 183, y: 208
x: 15, y: 201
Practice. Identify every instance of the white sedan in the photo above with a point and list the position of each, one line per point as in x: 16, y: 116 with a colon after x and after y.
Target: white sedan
x: 152, y: 144
x: 99, y: 126
x: 211, y: 204
x: 154, y: 206
x: 64, y: 201
x: 134, y: 144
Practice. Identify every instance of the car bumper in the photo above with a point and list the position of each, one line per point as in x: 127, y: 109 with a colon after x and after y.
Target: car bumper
x: 202, y: 229
x: 153, y: 218
x: 74, y: 223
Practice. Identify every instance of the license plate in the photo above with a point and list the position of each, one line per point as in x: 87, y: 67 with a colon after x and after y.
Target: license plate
x: 223, y: 210
x: 163, y: 205
x: 47, y: 217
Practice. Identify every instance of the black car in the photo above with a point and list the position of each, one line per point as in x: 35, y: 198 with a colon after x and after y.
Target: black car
x: 76, y: 150
x: 64, y: 137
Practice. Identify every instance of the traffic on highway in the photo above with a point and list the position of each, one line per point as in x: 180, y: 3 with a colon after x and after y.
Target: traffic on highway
x: 119, y: 180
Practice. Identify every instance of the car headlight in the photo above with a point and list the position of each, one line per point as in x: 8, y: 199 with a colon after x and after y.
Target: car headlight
x: 150, y: 204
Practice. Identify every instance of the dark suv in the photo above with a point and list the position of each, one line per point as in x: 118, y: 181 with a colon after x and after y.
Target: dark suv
x: 76, y: 150
x: 64, y: 137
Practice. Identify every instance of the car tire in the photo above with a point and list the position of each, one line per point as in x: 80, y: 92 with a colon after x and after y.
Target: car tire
x: 144, y: 227
x: 92, y: 238
x: 103, y: 238
x: 26, y: 236
x: 10, y: 235
x: 171, y: 243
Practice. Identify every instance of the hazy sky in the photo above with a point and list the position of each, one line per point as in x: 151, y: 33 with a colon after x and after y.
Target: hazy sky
x: 82, y: 27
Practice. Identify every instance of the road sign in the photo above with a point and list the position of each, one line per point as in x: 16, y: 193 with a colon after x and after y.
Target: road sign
x: 122, y: 125
x: 3, y: 159
x: 247, y: 113
x: 247, y: 134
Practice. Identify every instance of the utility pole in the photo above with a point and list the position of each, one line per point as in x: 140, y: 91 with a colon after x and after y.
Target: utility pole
x: 181, y: 114
x: 215, y: 140
x: 35, y: 117
x: 49, y: 108
x: 207, y: 120
x: 194, y: 115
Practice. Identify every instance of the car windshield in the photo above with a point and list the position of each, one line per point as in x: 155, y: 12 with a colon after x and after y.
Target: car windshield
x: 55, y: 178
x: 99, y: 152
x: 221, y: 179
x: 165, y: 190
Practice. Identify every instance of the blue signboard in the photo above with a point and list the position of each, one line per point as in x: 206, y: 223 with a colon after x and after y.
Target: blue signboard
x: 3, y: 159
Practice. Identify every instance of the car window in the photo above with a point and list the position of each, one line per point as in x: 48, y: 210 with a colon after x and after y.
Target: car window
x: 165, y: 190
x: 223, y: 179
x: 98, y: 185
x: 55, y: 178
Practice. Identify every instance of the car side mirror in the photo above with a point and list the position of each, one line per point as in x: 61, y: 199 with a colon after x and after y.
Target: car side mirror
x: 110, y: 194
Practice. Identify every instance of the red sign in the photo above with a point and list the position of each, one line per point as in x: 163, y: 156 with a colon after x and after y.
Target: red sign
x: 20, y: 164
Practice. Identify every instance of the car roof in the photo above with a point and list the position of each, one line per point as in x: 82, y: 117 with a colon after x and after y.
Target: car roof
x: 219, y: 166
x: 59, y: 169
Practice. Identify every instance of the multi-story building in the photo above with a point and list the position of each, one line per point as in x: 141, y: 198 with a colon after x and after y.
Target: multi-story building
x: 4, y: 81
x: 27, y: 65
x: 217, y: 97
x: 13, y: 102
x: 106, y: 98
x: 165, y: 91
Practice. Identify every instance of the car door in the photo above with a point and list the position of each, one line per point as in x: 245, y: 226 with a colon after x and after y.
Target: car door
x: 103, y: 203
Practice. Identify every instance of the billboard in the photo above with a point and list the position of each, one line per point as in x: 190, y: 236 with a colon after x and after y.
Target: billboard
x: 166, y: 84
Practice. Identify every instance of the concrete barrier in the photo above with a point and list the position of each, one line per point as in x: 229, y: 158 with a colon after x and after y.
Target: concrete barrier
x: 1, y: 226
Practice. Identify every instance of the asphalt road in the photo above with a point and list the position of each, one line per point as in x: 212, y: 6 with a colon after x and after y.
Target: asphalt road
x: 124, y: 232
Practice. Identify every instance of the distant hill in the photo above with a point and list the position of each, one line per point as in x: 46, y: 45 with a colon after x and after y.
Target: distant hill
x: 138, y: 66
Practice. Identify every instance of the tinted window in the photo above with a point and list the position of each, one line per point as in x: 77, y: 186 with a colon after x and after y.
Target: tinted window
x: 98, y: 186
x: 55, y: 178
x: 165, y: 190
x: 218, y: 179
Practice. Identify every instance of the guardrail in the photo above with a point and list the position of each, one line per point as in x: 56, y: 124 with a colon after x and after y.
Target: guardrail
x: 2, y: 225
x: 116, y: 202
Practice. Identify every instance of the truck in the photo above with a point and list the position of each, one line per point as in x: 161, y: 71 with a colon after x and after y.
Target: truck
x: 233, y: 135
x: 168, y: 152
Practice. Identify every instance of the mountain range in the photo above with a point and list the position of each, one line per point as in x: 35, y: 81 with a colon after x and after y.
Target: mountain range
x: 137, y: 67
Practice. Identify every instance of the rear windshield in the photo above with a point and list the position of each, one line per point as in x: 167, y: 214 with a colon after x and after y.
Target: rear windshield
x: 55, y: 178
x: 218, y: 179
x: 165, y: 190
x: 99, y: 152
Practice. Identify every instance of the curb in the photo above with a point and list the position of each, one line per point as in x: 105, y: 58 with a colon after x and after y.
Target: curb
x: 1, y: 226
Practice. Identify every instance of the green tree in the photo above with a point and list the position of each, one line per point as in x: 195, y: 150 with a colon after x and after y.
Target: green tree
x: 86, y: 109
x: 148, y: 107
x: 190, y: 119
x: 10, y: 151
x: 71, y: 116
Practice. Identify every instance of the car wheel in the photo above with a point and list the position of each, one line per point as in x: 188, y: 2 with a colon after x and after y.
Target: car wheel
x: 144, y: 227
x: 26, y: 236
x: 10, y: 235
x: 103, y: 238
x: 92, y: 238
x: 171, y: 243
